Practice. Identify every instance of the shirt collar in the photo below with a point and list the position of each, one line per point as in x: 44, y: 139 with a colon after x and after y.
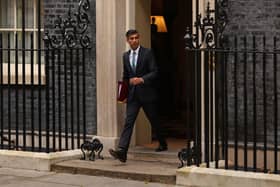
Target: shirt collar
x: 136, y: 51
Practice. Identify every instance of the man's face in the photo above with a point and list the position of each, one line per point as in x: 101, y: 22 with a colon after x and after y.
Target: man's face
x: 133, y: 41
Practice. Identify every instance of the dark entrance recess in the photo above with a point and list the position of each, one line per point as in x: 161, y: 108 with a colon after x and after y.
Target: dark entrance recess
x: 175, y: 67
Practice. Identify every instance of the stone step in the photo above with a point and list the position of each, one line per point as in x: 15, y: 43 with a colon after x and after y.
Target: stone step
x: 148, y: 154
x: 142, y: 170
x: 143, y: 164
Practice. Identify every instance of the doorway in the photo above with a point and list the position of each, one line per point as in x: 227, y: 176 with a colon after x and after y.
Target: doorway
x: 175, y: 67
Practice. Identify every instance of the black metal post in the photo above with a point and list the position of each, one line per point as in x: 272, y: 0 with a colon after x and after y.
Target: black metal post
x: 211, y: 108
x: 235, y: 107
x: 206, y: 96
x: 16, y: 89
x: 226, y: 109
x: 245, y: 107
x: 265, y: 107
x: 254, y: 108
x: 23, y: 77
x: 72, y: 97
x: 39, y: 75
x: 199, y: 106
x: 216, y: 107
x: 53, y: 101
x: 275, y: 67
x: 9, y: 91
x: 59, y: 100
x: 66, y: 99
x: 32, y: 91
x: 78, y: 96
x: 196, y: 109
x: 84, y: 94
x: 47, y: 100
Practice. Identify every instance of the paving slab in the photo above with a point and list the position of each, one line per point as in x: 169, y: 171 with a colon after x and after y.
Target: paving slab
x: 89, y: 181
x: 52, y: 179
x: 23, y: 172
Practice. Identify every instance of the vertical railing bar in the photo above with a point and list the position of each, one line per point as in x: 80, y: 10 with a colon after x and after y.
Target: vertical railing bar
x: 264, y: 105
x: 23, y: 76
x: 197, y: 84
x: 196, y: 110
x: 235, y: 107
x: 53, y: 100
x: 199, y: 148
x: 199, y: 108
x: 39, y: 75
x: 211, y: 108
x: 223, y: 108
x: 84, y: 95
x: 9, y: 91
x: 188, y: 121
x: 254, y: 108
x: 72, y: 98
x: 32, y: 92
x: 216, y: 103
x: 39, y: 22
x: 275, y: 108
x: 206, y: 96
x: 245, y: 108
x: 217, y: 122
x: 59, y: 100
x: 226, y: 109
x: 16, y: 90
x: 47, y: 101
x: 66, y: 99
x: 78, y: 97
x: 1, y: 90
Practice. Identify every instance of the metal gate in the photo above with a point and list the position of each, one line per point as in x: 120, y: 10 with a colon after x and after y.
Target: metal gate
x: 236, y: 97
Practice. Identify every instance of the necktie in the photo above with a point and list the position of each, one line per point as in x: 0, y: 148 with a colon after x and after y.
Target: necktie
x: 134, y: 61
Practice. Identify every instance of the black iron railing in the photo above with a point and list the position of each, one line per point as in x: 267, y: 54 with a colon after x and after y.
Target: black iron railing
x: 239, y: 105
x: 43, y: 89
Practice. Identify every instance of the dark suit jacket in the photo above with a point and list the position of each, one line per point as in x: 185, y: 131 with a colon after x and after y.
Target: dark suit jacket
x: 148, y: 70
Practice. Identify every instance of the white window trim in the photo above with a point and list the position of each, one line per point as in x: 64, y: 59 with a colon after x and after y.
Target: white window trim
x: 27, y: 74
x: 35, y: 30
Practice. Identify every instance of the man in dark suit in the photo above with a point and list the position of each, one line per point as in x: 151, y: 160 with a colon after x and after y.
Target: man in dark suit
x: 140, y: 71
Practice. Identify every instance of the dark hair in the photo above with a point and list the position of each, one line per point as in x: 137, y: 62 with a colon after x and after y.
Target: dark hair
x: 131, y: 32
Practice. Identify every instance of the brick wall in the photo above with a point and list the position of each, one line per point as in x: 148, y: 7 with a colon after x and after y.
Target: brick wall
x: 53, y: 8
x: 248, y: 18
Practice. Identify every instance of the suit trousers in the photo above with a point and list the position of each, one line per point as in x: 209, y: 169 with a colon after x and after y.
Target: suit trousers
x: 132, y: 110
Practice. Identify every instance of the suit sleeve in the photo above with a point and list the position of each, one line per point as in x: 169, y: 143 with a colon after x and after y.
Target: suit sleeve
x: 125, y: 70
x: 153, y: 69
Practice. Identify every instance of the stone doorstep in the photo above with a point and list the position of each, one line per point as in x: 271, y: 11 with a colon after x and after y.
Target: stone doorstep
x: 149, y: 171
x: 33, y: 160
x: 146, y: 154
x: 192, y: 176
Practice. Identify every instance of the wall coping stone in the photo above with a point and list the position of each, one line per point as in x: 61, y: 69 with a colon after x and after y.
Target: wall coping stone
x: 35, y: 160
x: 207, y: 177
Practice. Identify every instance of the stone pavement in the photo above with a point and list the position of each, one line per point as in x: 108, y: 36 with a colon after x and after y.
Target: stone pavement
x: 28, y: 178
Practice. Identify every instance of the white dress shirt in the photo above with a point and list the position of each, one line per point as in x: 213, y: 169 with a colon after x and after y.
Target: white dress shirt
x: 131, y: 56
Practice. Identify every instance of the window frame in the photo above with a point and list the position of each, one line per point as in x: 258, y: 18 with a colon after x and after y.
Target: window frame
x: 18, y: 29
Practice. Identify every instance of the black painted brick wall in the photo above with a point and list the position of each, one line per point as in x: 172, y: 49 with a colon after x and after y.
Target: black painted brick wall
x: 248, y: 18
x: 53, y: 8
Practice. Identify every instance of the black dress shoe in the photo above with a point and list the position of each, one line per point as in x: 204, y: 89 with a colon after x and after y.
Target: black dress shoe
x: 161, y: 148
x: 118, y: 154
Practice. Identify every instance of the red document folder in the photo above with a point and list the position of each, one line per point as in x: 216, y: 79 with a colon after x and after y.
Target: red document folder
x: 122, y: 91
